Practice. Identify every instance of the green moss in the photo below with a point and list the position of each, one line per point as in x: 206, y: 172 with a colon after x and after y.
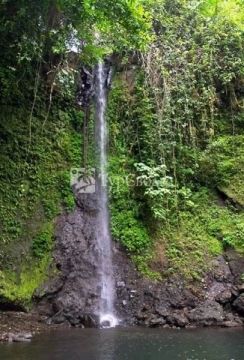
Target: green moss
x: 34, y: 188
x: 234, y: 190
x: 42, y: 243
x: 142, y: 263
x: 194, y: 234
x: 222, y: 165
x: 19, y: 287
x: 201, y: 234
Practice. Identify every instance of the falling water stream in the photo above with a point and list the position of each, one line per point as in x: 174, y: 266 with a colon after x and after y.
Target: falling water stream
x: 106, y: 311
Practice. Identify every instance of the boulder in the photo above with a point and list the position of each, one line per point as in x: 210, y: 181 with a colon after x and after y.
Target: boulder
x: 155, y: 321
x: 238, y: 304
x: 206, y: 314
x: 177, y: 319
x: 224, y: 297
x: 221, y: 270
x: 232, y: 320
x: 236, y: 264
x: 21, y: 337
x: 241, y: 288
x: 89, y: 320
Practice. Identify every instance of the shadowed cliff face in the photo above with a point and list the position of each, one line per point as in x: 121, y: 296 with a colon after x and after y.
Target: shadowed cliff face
x: 73, y: 296
x: 76, y: 290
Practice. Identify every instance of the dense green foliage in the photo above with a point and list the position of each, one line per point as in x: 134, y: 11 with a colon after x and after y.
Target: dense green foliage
x: 175, y: 116
x: 181, y: 110
x: 34, y: 188
x: 40, y: 126
x: 36, y: 39
x: 222, y: 164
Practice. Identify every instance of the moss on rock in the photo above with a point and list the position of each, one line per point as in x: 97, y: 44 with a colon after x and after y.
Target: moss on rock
x: 35, y: 162
x: 222, y: 166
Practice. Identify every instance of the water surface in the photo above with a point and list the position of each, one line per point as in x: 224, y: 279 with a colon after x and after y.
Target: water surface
x: 130, y: 344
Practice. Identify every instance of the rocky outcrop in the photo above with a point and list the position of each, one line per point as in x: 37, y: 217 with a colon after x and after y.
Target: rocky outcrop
x: 85, y: 84
x: 72, y: 297
x: 213, y: 302
x: 208, y: 313
x: 238, y: 304
x: 17, y: 326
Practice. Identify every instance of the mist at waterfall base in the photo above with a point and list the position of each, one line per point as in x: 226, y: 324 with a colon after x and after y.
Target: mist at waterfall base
x: 130, y: 344
x: 106, y: 310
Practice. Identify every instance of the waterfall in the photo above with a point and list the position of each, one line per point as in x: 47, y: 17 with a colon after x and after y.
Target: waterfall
x: 106, y: 311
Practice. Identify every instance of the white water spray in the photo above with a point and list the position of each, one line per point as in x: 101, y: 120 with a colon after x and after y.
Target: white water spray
x: 107, y: 317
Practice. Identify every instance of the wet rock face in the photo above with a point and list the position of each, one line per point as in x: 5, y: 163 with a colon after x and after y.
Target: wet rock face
x: 210, y: 313
x: 236, y: 265
x: 72, y: 297
x: 85, y: 87
x: 174, y: 303
x: 239, y: 304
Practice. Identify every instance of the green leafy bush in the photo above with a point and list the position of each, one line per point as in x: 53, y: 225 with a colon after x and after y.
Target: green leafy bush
x: 126, y: 224
x: 42, y: 244
x: 222, y: 164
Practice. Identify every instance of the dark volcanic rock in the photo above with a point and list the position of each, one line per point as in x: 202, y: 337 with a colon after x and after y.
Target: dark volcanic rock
x: 224, y: 297
x: 155, y: 321
x: 76, y: 291
x: 58, y: 318
x: 232, y: 320
x: 177, y: 319
x: 73, y: 296
x: 238, y: 304
x: 241, y: 288
x: 221, y: 270
x: 236, y: 264
x: 207, y: 314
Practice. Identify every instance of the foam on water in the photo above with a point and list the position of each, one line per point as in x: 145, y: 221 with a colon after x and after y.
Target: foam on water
x: 108, y: 321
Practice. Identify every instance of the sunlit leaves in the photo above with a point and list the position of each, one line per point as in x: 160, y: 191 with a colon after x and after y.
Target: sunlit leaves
x: 231, y: 10
x: 121, y: 24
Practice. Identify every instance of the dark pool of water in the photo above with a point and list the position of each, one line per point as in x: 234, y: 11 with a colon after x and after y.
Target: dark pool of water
x: 130, y: 344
